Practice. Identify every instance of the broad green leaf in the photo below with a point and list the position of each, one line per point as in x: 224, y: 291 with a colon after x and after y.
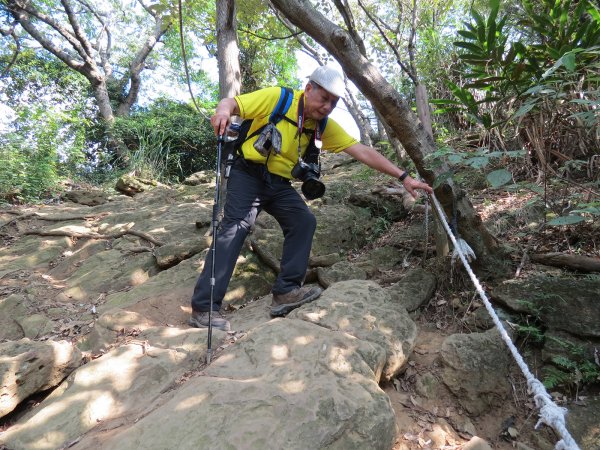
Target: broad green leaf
x: 469, y: 46
x: 441, y: 179
x: 524, y: 109
x: 468, y: 34
x: 455, y: 158
x: 478, y: 162
x: 565, y: 220
x: 499, y: 177
x: 569, y: 61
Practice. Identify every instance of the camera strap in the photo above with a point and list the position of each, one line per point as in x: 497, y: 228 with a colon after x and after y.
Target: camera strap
x: 316, y: 143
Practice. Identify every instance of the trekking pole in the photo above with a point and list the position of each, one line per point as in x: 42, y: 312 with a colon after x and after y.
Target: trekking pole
x: 213, y: 246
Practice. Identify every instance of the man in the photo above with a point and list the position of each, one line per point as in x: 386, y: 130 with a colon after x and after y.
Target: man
x: 260, y: 180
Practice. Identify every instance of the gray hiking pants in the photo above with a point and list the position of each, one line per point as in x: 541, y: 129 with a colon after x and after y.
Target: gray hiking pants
x: 251, y: 189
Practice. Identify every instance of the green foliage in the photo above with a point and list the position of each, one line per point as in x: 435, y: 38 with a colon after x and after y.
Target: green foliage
x: 573, y: 369
x: 44, y: 141
x: 530, y: 333
x: 582, y: 212
x: 30, y: 162
x: 167, y: 141
x: 528, y: 80
x: 25, y: 177
x: 266, y: 58
x: 381, y: 224
x: 478, y: 159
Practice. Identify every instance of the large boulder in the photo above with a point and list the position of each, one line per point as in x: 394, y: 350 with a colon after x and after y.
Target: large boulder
x: 364, y: 310
x: 561, y: 303
x: 476, y: 369
x: 110, y: 390
x: 287, y: 384
x: 340, y: 271
x: 414, y: 289
x: 88, y: 197
x: 28, y: 367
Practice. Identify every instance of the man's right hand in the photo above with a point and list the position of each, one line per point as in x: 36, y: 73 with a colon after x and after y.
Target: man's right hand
x: 219, y: 122
x: 225, y: 109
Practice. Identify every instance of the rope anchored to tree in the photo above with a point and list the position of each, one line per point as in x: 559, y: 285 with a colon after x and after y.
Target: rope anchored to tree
x: 550, y: 413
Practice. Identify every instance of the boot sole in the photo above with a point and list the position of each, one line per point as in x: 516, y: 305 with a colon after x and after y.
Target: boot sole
x: 282, y: 310
x: 196, y: 324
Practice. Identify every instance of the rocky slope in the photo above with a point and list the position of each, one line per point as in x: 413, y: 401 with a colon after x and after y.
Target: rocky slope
x: 96, y: 352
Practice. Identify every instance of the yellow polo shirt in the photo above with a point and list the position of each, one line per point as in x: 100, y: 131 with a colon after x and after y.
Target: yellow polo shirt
x: 259, y: 105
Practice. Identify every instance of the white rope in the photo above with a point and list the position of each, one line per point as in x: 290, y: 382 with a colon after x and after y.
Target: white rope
x: 550, y: 413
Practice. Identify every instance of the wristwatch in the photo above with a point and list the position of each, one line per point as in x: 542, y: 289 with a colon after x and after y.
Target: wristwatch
x: 403, y: 176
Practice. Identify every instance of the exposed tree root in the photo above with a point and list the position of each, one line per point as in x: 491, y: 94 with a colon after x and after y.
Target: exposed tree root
x: 92, y: 235
x: 48, y: 217
x: 573, y: 262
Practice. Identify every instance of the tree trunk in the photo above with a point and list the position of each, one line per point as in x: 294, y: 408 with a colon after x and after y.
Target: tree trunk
x: 92, y: 61
x: 416, y: 141
x: 362, y: 122
x: 423, y: 110
x: 228, y: 53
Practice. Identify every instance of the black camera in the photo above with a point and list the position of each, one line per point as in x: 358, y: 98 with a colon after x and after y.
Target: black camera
x: 309, y: 174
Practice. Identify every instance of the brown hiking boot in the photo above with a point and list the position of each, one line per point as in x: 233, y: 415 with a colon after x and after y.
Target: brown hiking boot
x: 284, y: 303
x: 199, y: 319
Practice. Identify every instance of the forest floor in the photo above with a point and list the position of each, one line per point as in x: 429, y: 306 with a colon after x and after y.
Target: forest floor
x: 513, y: 218
x: 439, y: 423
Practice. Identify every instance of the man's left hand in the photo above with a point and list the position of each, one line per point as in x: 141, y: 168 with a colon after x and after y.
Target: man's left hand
x: 410, y: 184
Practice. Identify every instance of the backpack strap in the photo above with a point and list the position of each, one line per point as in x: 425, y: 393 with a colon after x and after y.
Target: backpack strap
x: 285, y: 100
x: 283, y: 104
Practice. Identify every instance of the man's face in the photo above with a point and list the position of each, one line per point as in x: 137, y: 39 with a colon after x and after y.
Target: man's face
x: 318, y: 103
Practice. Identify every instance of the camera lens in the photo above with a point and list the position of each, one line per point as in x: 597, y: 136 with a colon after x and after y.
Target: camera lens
x: 312, y: 189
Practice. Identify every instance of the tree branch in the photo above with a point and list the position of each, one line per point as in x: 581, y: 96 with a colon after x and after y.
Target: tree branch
x: 350, y: 25
x: 11, y: 32
x: 137, y: 65
x: 83, y: 41
x: 272, y: 38
x: 103, y: 52
x: 392, y: 47
x: 22, y: 13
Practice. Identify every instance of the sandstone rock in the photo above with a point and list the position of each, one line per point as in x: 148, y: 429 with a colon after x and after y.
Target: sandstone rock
x: 415, y: 289
x: 340, y: 228
x: 582, y: 423
x: 566, y: 304
x: 89, y: 197
x: 324, y: 260
x: 202, y: 177
x: 386, y: 206
x: 130, y: 185
x: 108, y: 391
x: 27, y: 367
x: 287, y: 384
x: 363, y: 309
x: 340, y: 271
x: 171, y: 254
x: 476, y: 369
x: 378, y: 260
x: 476, y: 443
x: 479, y: 320
x: 12, y: 310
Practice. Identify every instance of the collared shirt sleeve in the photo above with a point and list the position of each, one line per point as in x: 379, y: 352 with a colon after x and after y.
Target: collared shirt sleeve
x: 258, y: 104
x: 335, y: 138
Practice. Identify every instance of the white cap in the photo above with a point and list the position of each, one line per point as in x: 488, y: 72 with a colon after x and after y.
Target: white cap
x: 329, y: 79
